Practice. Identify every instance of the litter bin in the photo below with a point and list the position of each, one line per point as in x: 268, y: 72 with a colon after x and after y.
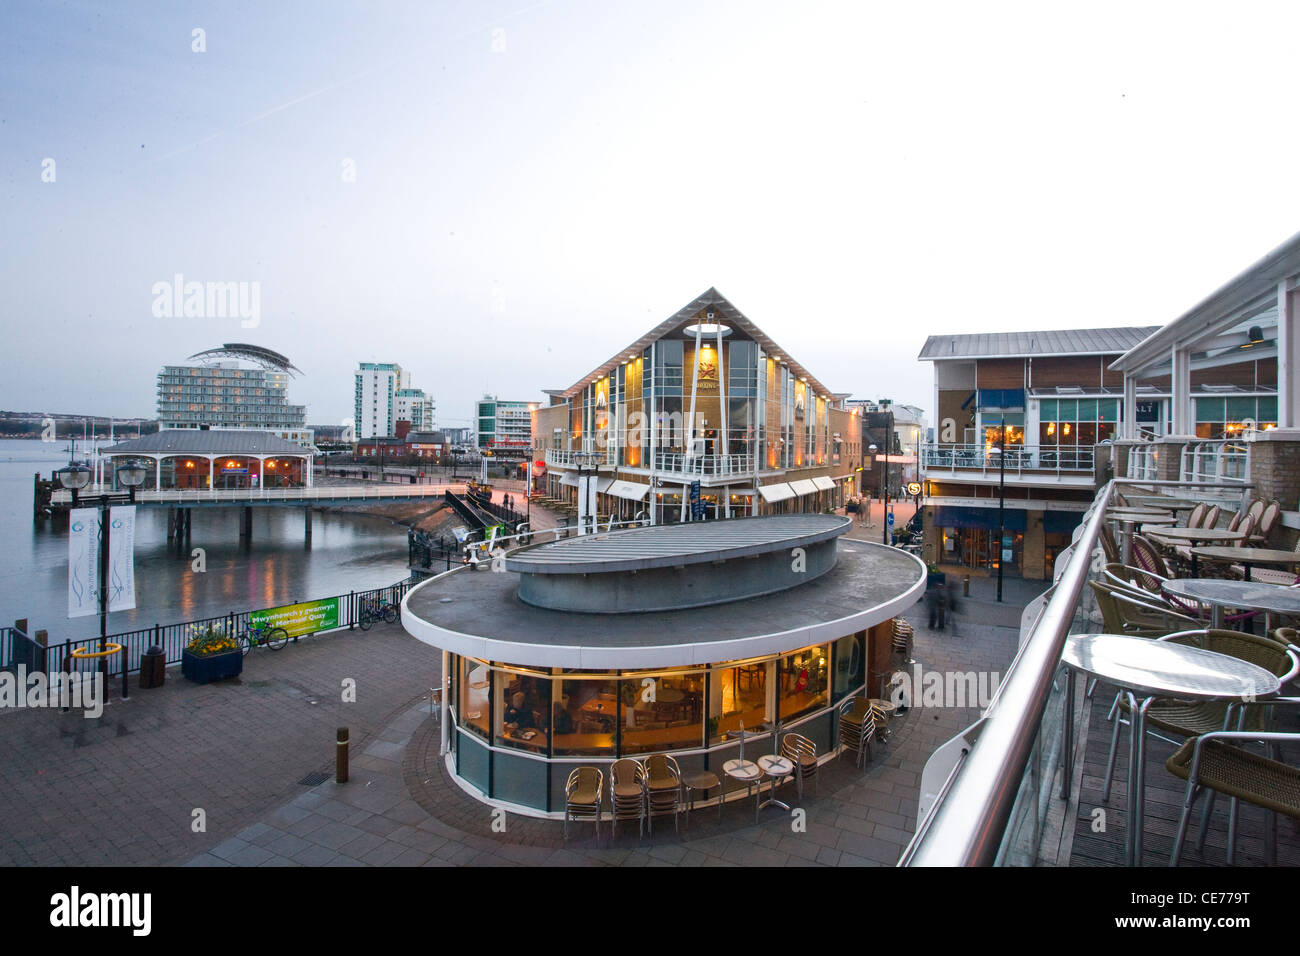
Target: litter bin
x: 153, y: 667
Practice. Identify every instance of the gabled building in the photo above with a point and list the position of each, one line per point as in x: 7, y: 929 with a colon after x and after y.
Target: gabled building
x: 704, y: 416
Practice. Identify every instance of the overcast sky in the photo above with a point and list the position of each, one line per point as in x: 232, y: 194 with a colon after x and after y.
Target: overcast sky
x: 500, y: 195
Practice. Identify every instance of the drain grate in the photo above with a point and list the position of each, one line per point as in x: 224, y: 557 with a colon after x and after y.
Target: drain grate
x: 314, y: 779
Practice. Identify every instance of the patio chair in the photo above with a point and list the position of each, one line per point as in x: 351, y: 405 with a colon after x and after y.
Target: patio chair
x: 802, y: 752
x: 1123, y: 612
x: 1267, y: 521
x: 1108, y: 545
x: 1197, y: 515
x: 627, y: 793
x: 1212, y: 762
x: 1191, y: 718
x: 582, y: 796
x: 663, y: 788
x: 857, y: 726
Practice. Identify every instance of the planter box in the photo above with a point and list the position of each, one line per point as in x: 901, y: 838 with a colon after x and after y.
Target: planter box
x: 205, y: 670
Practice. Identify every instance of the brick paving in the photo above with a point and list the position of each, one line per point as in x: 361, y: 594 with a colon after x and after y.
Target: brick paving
x: 123, y: 790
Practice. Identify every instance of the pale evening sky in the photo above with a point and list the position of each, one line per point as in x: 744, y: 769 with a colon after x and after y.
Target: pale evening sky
x: 538, y: 183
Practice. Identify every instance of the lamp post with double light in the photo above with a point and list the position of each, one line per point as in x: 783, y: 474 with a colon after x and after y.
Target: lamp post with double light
x: 588, y: 463
x: 1001, y: 452
x: 75, y: 477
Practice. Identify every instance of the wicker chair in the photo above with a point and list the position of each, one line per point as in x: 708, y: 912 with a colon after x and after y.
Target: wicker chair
x: 857, y: 726
x: 1268, y: 519
x: 1108, y: 545
x: 1197, y: 515
x: 1193, y: 718
x: 1123, y: 612
x: 627, y: 793
x: 1212, y: 762
x: 802, y: 752
x: 663, y: 788
x: 582, y: 796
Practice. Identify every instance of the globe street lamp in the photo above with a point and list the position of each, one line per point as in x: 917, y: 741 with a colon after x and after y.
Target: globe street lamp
x: 587, y: 499
x: 75, y: 477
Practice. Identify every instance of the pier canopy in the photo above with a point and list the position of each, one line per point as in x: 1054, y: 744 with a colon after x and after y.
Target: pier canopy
x: 216, y: 458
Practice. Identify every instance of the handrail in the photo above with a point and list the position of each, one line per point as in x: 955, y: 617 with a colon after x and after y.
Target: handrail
x: 967, y: 827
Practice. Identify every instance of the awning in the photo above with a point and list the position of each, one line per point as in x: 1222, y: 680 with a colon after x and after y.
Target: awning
x: 571, y: 480
x: 777, y: 492
x: 824, y: 483
x: 960, y: 516
x: 631, y: 490
x: 803, y: 486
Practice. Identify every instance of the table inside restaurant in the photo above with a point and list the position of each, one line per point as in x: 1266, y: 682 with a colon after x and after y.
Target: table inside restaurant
x: 1248, y: 557
x: 1147, y: 669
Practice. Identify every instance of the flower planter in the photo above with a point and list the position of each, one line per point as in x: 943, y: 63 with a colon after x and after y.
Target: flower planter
x: 204, y: 669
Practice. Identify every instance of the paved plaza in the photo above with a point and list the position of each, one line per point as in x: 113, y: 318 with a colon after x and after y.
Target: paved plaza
x: 124, y: 789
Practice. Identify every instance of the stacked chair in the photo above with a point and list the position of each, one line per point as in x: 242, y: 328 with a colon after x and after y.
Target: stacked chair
x: 903, y: 637
x: 801, y: 752
x: 663, y: 788
x: 857, y: 725
x: 627, y: 793
x: 582, y: 796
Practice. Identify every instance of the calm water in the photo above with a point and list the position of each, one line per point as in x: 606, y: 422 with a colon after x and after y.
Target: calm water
x: 348, y: 552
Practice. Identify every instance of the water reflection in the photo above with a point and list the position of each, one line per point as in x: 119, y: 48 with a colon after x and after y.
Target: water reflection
x: 346, y: 553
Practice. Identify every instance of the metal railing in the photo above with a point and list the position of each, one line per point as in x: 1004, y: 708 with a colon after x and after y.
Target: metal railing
x: 182, y: 496
x: 1143, y: 462
x: 1002, y: 769
x: 565, y: 457
x: 1226, y: 461
x: 1036, y: 459
x: 18, y: 648
x: 702, y: 465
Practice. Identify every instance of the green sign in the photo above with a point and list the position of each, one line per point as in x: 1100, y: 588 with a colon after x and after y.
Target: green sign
x: 299, y: 619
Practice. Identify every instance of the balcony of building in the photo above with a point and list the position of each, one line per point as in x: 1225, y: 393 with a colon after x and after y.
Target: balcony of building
x: 1071, y: 465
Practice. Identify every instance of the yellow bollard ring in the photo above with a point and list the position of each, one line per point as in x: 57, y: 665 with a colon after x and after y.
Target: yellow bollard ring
x: 109, y: 649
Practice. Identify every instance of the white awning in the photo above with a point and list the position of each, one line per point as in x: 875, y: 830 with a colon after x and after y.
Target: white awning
x: 777, y: 492
x: 824, y: 483
x: 571, y: 480
x: 631, y: 490
x: 803, y: 486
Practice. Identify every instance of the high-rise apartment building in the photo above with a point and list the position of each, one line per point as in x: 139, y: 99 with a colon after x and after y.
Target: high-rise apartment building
x: 414, y: 406
x: 504, y: 428
x: 375, y: 398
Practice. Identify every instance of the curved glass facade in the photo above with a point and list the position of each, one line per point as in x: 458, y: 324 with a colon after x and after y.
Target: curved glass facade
x: 519, y: 731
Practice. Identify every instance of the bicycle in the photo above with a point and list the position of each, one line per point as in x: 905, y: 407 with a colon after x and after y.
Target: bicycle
x: 272, y: 637
x: 373, y: 611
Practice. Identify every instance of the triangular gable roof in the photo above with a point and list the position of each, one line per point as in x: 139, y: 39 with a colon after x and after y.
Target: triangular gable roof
x: 729, y: 315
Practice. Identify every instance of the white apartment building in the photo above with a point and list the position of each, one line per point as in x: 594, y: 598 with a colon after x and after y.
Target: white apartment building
x: 375, y: 398
x: 414, y: 406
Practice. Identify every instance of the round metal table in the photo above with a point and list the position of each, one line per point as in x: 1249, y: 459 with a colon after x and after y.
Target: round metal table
x: 1247, y: 557
x: 1132, y: 518
x: 748, y: 773
x: 1251, y: 595
x: 775, y: 767
x: 1144, y: 668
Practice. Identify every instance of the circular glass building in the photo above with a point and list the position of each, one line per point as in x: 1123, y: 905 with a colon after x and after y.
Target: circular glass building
x: 663, y: 639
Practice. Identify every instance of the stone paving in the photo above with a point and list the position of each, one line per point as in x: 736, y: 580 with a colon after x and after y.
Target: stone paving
x: 123, y: 791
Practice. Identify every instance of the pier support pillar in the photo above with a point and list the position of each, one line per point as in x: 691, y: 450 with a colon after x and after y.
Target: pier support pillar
x: 189, y: 516
x: 246, y: 523
x: 307, y: 523
x: 171, y: 523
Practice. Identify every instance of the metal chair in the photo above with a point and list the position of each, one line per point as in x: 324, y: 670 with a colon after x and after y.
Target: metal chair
x: 627, y: 793
x: 663, y: 788
x: 856, y: 728
x: 802, y: 752
x: 904, y: 634
x: 582, y: 796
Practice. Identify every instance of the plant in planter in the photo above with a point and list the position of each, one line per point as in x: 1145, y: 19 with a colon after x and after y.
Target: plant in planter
x: 212, y: 653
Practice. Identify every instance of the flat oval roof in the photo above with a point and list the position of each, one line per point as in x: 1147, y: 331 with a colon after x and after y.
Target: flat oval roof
x: 479, y: 614
x: 673, y: 545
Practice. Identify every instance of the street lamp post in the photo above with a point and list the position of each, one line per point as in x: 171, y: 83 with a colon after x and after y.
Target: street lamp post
x: 873, y: 449
x: 889, y: 440
x: 586, y: 508
x: 1002, y: 498
x: 75, y: 477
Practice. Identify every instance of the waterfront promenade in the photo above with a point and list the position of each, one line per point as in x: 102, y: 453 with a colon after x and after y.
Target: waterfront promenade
x: 123, y: 789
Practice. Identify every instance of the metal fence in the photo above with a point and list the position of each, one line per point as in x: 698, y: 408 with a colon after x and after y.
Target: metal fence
x: 18, y: 648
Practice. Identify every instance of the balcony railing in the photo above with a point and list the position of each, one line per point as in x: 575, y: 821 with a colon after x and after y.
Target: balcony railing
x: 1226, y: 461
x: 1020, y: 459
x: 1143, y: 462
x: 667, y: 461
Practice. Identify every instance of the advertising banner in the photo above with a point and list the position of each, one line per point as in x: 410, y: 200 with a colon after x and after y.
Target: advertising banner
x: 299, y: 619
x: 83, y: 561
x: 121, y: 558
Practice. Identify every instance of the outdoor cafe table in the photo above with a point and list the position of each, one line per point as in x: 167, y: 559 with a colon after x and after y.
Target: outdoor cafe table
x: 1147, y: 669
x: 1250, y: 595
x: 1248, y: 557
x: 776, y: 767
x: 1130, y: 517
x: 1195, y: 536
